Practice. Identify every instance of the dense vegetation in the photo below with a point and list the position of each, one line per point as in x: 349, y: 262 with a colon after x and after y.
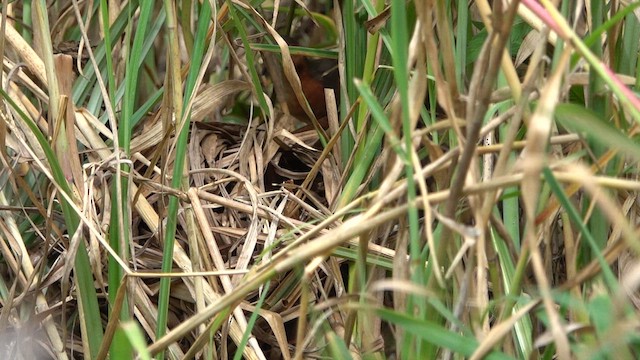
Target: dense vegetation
x: 319, y: 179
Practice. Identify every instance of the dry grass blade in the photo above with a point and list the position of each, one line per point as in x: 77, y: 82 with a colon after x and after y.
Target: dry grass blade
x: 533, y: 161
x: 499, y: 331
x: 215, y: 253
x: 26, y: 53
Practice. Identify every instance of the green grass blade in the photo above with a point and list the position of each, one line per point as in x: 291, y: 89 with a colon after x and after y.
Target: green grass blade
x: 609, y: 278
x: 436, y: 334
x: 179, y: 164
x: 136, y: 339
x: 251, y: 323
x: 82, y: 268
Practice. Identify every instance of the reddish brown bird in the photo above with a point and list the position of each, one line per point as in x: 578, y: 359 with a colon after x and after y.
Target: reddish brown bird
x: 315, y: 76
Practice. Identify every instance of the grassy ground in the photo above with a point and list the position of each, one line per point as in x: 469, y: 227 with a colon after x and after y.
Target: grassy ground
x: 177, y: 183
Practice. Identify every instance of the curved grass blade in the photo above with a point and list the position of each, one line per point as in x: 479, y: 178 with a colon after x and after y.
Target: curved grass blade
x: 82, y: 266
